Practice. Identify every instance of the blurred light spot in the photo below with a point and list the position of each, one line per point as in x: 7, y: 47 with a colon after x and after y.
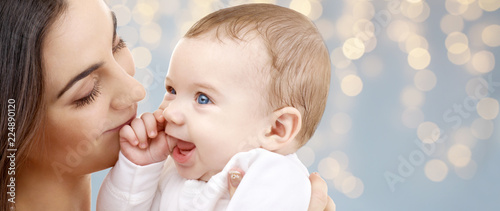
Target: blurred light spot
x: 459, y: 155
x: 143, y: 13
x: 488, y: 108
x: 436, y: 170
x: 399, y: 30
x: 455, y: 7
x: 316, y: 10
x: 428, y: 132
x: 351, y: 85
x: 341, y: 123
x: 412, y: 97
x: 341, y: 158
x: 339, y: 180
x: 329, y: 168
x: 426, y: 11
x: 370, y: 44
x: 464, y: 136
x: 491, y: 35
x: 306, y: 155
x: 411, y: 9
x: 169, y: 7
x: 482, y: 128
x: 419, y: 58
x: 338, y: 58
x: 353, y: 48
x: 302, y: 6
x: 358, y: 189
x: 425, y: 80
x: 467, y: 172
x: 452, y: 23
x: 477, y: 88
x: 363, y: 10
x: 142, y: 57
x: 412, y: 117
x: 473, y: 12
x: 151, y: 33
x: 129, y: 35
x: 489, y: 5
x: 123, y: 14
x: 348, y: 184
x: 461, y: 58
x: 363, y: 29
x: 326, y: 28
x: 344, y: 27
x: 371, y: 65
x: 414, y: 41
x: 483, y: 61
x: 454, y: 38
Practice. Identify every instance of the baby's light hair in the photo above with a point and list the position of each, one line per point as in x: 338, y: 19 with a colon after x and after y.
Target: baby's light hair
x: 299, y: 75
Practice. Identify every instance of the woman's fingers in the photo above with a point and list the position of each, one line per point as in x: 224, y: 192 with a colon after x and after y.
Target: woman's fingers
x: 234, y: 177
x: 319, y: 195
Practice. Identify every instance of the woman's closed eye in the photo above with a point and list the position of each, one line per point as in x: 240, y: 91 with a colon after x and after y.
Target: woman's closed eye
x: 203, y: 99
x: 89, y: 98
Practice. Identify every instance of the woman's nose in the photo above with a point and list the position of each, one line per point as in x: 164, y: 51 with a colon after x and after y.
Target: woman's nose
x: 129, y: 91
x: 174, y: 113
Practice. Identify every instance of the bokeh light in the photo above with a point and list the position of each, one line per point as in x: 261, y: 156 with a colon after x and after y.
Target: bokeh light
x: 142, y: 57
x: 488, y: 108
x: 353, y: 48
x: 489, y: 5
x: 412, y: 117
x: 483, y: 61
x: 491, y: 35
x: 452, y: 23
x: 459, y: 155
x: 425, y: 80
x: 412, y: 97
x: 351, y: 85
x: 341, y: 123
x: 436, y: 170
x: 419, y: 58
x: 482, y: 128
x: 428, y: 132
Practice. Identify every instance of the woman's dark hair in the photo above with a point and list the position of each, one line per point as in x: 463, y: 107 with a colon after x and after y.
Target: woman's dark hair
x: 23, y: 26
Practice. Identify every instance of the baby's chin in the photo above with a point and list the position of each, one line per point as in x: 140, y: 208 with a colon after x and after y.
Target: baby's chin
x: 198, y: 176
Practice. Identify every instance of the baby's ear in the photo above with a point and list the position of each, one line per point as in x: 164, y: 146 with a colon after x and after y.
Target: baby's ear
x: 285, y: 125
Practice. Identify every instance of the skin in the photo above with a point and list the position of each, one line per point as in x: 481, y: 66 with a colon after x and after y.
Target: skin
x: 80, y: 136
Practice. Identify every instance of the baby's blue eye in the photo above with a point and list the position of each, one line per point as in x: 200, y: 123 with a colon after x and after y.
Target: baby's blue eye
x: 203, y: 99
x: 171, y: 90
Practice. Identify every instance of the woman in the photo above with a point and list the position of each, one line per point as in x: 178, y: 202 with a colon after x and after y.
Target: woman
x: 67, y: 87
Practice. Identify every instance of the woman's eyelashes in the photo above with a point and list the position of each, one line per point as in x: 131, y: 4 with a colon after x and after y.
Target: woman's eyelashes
x: 90, y: 97
x: 121, y: 44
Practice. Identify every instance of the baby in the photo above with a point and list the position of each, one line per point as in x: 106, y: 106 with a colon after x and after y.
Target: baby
x: 246, y: 88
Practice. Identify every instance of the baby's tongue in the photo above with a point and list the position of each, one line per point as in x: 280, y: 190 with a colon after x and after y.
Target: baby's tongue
x: 185, y: 146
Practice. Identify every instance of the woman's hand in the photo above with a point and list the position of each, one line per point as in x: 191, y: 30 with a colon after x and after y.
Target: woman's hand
x: 319, y: 196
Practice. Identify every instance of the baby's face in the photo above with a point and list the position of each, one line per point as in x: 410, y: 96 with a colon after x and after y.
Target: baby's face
x: 214, y: 104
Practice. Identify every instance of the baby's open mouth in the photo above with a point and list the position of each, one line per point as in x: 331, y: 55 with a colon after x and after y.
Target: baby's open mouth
x: 182, y: 150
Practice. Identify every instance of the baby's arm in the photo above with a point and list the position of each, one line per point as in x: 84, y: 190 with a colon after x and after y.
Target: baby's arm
x: 132, y: 183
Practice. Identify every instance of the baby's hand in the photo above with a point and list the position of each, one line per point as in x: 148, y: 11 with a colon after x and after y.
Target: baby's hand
x: 143, y: 141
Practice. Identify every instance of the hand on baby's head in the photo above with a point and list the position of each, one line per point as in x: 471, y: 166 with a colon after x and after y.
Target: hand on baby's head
x: 144, y: 142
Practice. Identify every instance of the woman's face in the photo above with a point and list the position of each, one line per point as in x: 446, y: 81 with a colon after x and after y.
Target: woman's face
x: 89, y: 90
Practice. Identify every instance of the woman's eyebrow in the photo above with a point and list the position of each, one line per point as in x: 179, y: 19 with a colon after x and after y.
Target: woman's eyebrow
x: 80, y: 76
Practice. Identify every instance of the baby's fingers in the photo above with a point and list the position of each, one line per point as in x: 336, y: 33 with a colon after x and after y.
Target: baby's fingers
x: 140, y: 132
x: 128, y: 135
x: 150, y: 124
